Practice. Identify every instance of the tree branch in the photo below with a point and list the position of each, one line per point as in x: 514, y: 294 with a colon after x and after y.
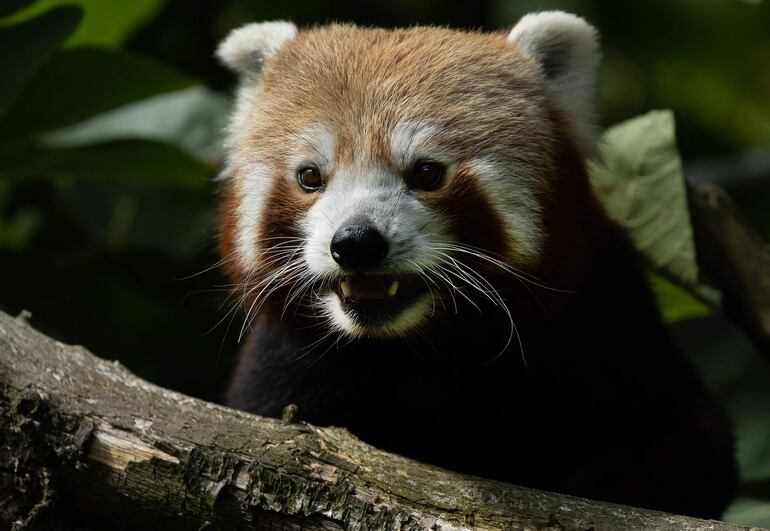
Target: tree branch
x: 85, y: 442
x: 737, y: 259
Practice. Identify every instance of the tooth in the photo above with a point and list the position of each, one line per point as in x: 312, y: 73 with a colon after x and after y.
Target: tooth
x: 393, y: 289
x: 345, y: 287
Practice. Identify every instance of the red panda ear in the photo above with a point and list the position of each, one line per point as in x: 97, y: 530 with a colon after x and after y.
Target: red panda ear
x: 566, y: 48
x: 247, y: 48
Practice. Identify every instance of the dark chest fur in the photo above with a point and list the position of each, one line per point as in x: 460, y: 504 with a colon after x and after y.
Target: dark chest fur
x: 600, y: 404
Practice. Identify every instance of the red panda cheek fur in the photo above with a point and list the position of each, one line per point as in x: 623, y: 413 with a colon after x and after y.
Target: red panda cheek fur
x: 227, y: 222
x: 471, y: 218
x: 276, y: 230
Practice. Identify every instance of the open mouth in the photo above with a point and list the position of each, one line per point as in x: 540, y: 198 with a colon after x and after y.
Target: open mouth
x: 376, y: 298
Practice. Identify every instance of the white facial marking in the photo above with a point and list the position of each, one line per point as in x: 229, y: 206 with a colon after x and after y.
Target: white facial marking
x: 513, y: 195
x: 510, y: 191
x: 411, y: 228
x: 246, y: 113
x: 315, y: 145
x: 252, y: 188
x: 373, y: 192
x: 408, y: 226
x: 406, y: 320
x: 412, y: 140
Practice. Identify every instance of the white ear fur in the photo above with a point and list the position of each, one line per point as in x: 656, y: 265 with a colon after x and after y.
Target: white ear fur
x: 566, y: 48
x: 247, y: 48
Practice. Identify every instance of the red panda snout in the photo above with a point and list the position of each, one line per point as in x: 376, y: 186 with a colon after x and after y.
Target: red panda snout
x: 369, y: 237
x: 358, y: 245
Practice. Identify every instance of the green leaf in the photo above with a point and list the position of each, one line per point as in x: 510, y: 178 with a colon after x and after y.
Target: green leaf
x: 641, y: 183
x: 11, y: 6
x: 25, y: 47
x: 739, y: 381
x: 191, y: 118
x: 748, y: 407
x: 675, y: 303
x: 16, y: 232
x: 77, y: 84
x: 130, y: 161
x: 106, y: 24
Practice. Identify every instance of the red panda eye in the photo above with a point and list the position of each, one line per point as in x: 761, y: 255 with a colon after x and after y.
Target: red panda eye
x: 427, y: 175
x: 309, y: 178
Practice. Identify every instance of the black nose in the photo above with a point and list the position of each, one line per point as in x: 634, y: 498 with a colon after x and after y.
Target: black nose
x: 358, y: 245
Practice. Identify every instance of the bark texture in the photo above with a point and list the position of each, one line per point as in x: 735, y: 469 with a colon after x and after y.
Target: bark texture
x: 84, y: 442
x: 736, y: 257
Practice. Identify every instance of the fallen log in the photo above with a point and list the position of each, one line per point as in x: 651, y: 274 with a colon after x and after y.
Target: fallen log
x: 84, y: 442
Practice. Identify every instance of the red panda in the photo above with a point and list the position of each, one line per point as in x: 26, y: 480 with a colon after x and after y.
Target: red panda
x: 409, y: 224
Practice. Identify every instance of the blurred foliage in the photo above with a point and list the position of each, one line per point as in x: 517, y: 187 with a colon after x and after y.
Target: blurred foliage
x: 105, y: 24
x: 25, y: 47
x: 106, y: 198
x: 111, y: 115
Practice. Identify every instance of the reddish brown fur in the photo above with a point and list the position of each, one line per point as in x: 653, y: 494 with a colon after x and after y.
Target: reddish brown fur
x: 471, y: 218
x: 228, y: 204
x: 362, y: 82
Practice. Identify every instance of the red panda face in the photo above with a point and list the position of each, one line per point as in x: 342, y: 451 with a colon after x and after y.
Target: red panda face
x: 377, y: 176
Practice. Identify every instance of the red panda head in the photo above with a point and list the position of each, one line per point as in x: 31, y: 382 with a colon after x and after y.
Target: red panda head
x: 376, y: 176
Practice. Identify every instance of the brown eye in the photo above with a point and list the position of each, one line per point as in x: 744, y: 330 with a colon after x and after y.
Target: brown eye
x: 427, y: 175
x: 309, y: 178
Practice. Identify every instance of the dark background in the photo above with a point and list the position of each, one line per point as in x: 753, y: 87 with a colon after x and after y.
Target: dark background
x: 122, y: 265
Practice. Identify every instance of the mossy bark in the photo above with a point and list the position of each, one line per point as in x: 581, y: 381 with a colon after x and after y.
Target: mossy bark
x: 83, y: 442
